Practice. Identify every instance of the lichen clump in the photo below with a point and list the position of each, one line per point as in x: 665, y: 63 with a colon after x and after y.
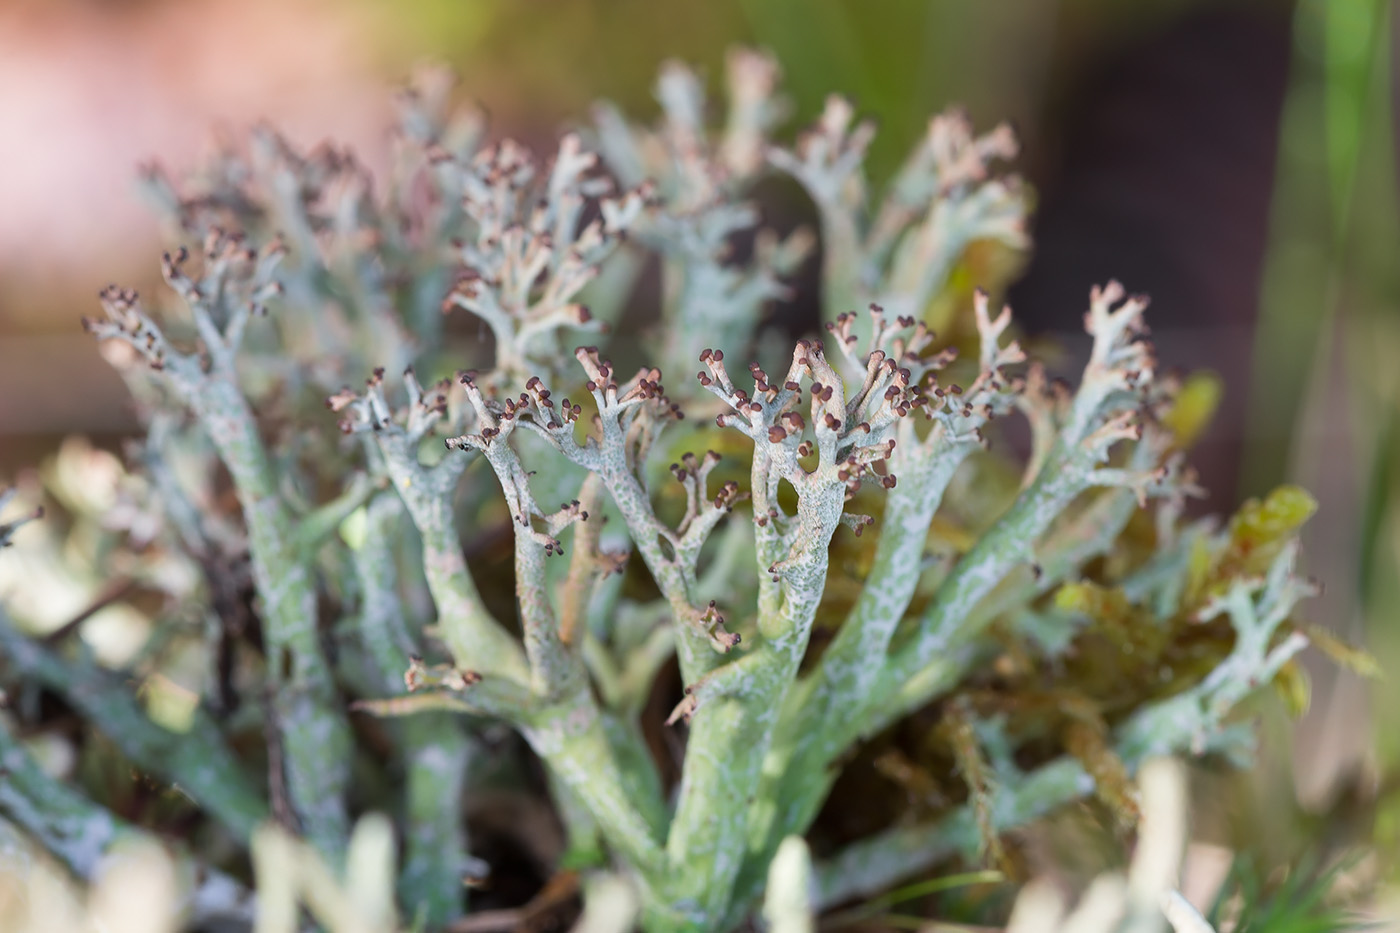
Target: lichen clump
x: 1014, y: 631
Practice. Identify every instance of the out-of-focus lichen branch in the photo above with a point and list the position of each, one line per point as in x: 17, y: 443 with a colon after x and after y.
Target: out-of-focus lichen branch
x: 709, y: 299
x: 290, y: 873
x: 827, y: 160
x: 83, y: 834
x: 1257, y: 610
x: 435, y: 749
x: 235, y: 284
x: 532, y: 253
x: 943, y: 199
x: 197, y: 761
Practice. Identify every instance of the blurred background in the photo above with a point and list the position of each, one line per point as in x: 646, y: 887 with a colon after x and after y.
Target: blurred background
x: 1234, y: 160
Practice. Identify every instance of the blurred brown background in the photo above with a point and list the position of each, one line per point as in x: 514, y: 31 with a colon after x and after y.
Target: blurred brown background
x: 1150, y: 132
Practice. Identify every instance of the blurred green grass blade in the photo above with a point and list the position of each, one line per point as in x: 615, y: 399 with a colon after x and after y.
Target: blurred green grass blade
x: 935, y: 886
x: 1335, y: 117
x: 1301, y: 902
x: 876, y: 906
x: 1355, y: 38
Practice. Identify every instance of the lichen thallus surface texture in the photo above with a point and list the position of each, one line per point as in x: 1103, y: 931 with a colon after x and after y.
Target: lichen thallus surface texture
x: 1040, y: 616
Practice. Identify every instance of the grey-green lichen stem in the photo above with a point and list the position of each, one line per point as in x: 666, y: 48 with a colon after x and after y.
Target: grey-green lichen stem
x: 310, y: 713
x: 736, y: 707
x: 570, y: 735
x: 816, y: 718
x: 473, y: 637
x: 434, y: 748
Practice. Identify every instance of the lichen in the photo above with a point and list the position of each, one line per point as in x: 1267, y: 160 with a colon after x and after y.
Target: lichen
x: 842, y: 568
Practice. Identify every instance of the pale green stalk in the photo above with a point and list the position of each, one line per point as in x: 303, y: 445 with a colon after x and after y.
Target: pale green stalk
x: 434, y: 749
x: 476, y: 642
x: 565, y: 727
